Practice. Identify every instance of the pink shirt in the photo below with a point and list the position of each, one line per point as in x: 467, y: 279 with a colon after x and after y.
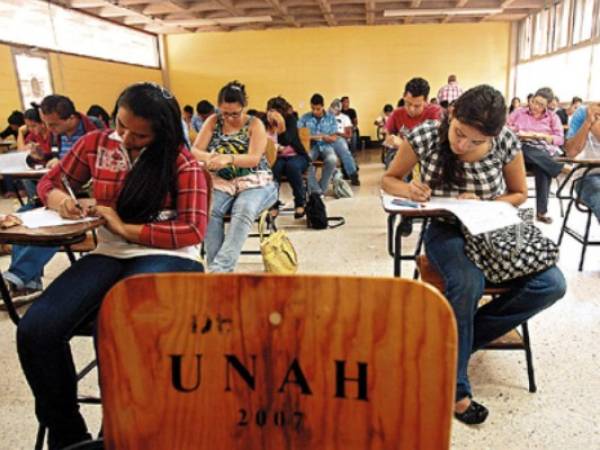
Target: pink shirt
x: 521, y: 119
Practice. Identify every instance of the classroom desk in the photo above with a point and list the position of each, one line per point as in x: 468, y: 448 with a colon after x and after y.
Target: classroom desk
x: 63, y: 235
x: 395, y: 237
x: 6, y: 145
x: 33, y: 175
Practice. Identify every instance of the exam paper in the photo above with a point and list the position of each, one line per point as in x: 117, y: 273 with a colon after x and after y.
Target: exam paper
x: 43, y: 217
x: 15, y: 162
x: 478, y: 216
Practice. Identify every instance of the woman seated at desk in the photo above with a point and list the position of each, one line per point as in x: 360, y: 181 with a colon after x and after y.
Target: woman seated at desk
x: 232, y: 144
x: 541, y: 133
x: 153, y: 195
x: 471, y: 156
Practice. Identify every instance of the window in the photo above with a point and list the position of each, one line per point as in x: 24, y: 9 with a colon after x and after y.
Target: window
x: 540, y: 45
x: 583, y: 20
x: 34, y: 77
x: 44, y: 25
x: 595, y: 75
x: 562, y: 19
x: 525, y: 38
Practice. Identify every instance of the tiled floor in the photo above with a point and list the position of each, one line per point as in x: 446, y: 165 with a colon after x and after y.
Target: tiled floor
x: 563, y: 414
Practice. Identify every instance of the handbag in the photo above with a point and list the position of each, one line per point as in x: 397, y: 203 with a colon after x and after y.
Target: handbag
x: 511, y: 252
x: 341, y: 188
x: 278, y: 253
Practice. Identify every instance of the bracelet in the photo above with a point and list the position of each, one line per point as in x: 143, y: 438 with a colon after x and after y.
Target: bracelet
x: 232, y: 160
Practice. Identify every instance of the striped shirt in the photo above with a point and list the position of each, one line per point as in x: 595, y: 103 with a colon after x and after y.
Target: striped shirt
x: 449, y: 92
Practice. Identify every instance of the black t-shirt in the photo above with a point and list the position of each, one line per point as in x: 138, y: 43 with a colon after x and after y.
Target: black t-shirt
x: 350, y: 113
x: 9, y: 132
x: 563, y: 116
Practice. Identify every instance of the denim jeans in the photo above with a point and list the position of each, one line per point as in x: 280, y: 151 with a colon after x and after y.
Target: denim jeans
x: 544, y: 168
x: 464, y: 284
x: 43, y: 335
x: 223, y: 250
x: 293, y: 167
x: 343, y: 153
x: 588, y: 190
x: 28, y: 261
x: 326, y: 153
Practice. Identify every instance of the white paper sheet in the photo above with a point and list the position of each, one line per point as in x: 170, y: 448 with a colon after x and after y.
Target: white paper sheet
x: 479, y: 216
x: 15, y: 162
x: 43, y: 217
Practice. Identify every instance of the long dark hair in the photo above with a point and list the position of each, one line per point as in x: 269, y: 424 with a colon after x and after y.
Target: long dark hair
x: 99, y: 112
x: 153, y: 175
x: 482, y: 108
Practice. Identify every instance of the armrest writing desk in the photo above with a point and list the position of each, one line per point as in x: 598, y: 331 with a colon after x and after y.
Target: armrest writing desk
x: 395, y: 237
x: 581, y: 170
x: 31, y: 174
x: 63, y: 235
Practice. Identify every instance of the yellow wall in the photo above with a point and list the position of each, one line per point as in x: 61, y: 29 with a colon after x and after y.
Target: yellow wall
x: 369, y: 64
x: 9, y: 89
x: 86, y: 81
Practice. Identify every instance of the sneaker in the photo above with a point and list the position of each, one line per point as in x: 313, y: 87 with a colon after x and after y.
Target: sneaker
x: 22, y: 293
x: 354, y: 181
x: 544, y: 218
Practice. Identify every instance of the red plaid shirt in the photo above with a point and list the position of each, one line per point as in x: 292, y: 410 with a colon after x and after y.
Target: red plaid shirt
x: 99, y: 157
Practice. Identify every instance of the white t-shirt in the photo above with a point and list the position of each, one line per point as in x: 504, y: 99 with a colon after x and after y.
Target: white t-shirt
x: 343, y: 121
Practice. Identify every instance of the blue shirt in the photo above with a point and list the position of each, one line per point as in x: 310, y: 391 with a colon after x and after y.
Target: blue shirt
x: 577, y: 121
x: 326, y: 125
x: 197, y: 123
x: 67, y: 142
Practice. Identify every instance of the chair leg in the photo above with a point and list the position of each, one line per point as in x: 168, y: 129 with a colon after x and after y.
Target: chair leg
x: 584, y: 244
x: 420, y: 246
x: 39, y: 440
x: 391, y: 222
x: 566, y: 219
x: 529, y: 357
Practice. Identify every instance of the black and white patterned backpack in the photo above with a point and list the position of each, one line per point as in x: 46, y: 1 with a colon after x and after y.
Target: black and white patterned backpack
x: 511, y: 252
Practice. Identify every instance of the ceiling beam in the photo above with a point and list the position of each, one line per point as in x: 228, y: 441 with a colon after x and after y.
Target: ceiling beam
x: 327, y: 13
x: 283, y: 12
x: 370, y: 11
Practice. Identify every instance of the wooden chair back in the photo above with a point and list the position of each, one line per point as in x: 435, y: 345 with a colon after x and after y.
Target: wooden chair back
x: 271, y: 152
x: 240, y: 361
x: 304, y: 135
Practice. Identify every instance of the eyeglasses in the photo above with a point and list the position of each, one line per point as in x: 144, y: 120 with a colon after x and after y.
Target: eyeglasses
x: 232, y: 115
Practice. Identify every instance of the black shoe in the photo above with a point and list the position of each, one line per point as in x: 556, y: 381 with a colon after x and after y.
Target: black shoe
x: 354, y: 181
x: 299, y: 212
x: 473, y: 415
x: 406, y: 226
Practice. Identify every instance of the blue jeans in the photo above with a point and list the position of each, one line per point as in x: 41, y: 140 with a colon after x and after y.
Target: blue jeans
x: 544, y: 168
x: 464, y: 284
x: 43, y: 335
x: 223, y: 250
x: 28, y: 261
x: 343, y: 152
x: 588, y: 190
x: 293, y: 167
x: 326, y: 153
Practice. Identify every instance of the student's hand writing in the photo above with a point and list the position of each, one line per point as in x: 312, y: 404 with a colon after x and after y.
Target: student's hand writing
x: 53, y: 162
x: 468, y: 196
x: 68, y: 209
x: 418, y: 191
x: 113, y: 221
x: 217, y: 162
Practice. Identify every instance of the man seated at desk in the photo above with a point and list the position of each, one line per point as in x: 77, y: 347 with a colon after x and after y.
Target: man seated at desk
x: 24, y: 276
x: 583, y: 141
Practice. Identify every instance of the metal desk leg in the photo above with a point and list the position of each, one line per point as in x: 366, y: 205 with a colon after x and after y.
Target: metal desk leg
x: 391, y: 221
x: 398, y: 252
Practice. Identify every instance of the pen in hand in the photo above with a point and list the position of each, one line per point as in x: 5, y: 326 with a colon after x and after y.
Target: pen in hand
x: 67, y: 186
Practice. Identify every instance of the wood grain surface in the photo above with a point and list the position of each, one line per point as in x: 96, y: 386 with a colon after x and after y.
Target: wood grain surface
x: 194, y: 361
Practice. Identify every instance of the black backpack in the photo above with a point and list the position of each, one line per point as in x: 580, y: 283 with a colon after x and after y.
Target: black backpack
x: 316, y: 214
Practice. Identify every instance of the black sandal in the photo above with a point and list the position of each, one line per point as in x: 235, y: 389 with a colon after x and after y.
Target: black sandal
x: 475, y: 414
